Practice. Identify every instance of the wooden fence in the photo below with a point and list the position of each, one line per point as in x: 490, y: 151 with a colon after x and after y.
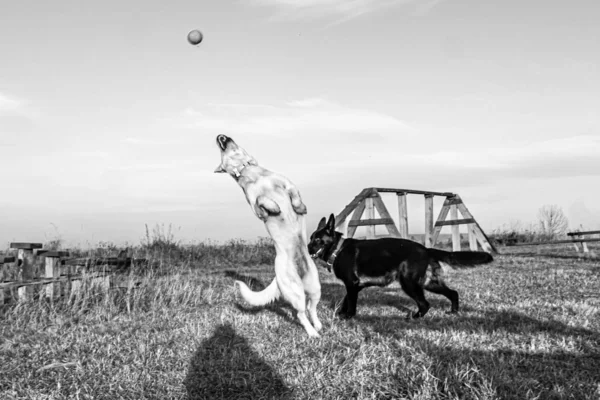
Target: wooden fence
x: 576, y: 238
x: 32, y: 272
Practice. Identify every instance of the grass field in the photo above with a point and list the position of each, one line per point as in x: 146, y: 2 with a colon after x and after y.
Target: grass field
x: 529, y: 329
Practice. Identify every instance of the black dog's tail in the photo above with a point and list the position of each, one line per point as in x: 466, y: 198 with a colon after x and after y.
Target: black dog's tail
x: 460, y: 258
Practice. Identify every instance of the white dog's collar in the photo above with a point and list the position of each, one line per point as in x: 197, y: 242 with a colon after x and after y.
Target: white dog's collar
x: 237, y: 173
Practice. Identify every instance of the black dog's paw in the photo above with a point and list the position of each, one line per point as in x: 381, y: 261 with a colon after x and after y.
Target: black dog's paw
x: 413, y: 315
x: 345, y: 315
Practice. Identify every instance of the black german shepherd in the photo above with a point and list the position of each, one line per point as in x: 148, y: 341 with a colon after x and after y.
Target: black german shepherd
x: 390, y: 259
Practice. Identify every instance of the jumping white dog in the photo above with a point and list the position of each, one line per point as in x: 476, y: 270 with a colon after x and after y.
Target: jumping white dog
x: 276, y: 201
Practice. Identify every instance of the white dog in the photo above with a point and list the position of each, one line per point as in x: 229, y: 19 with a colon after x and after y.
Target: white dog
x: 276, y: 201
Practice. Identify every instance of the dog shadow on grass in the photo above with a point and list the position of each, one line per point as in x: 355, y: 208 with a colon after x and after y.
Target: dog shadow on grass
x: 225, y: 367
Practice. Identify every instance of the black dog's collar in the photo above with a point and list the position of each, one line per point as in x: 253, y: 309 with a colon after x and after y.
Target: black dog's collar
x: 335, y: 253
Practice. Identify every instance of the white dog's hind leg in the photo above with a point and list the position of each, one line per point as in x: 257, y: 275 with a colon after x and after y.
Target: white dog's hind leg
x: 312, y: 332
x: 266, y: 296
x: 294, y: 294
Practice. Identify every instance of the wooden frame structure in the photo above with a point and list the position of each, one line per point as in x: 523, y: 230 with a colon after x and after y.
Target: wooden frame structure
x: 369, y: 200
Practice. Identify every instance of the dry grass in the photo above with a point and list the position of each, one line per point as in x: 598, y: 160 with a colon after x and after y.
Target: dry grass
x: 529, y: 329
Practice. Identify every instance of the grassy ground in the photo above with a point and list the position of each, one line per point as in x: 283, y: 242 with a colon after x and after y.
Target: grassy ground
x: 529, y: 329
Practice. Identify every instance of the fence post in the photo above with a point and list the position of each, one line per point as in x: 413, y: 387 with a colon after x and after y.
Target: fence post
x: 27, y: 259
x: 584, y: 245
x: 472, y: 237
x: 52, y: 261
x: 455, y: 228
x: 370, y: 215
x: 428, y: 220
x: 5, y: 267
x: 402, y: 215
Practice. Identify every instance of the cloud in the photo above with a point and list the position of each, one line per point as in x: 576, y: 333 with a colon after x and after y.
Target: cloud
x: 557, y: 154
x: 305, y: 116
x: 340, y: 10
x: 316, y: 136
x: 9, y: 105
x: 147, y: 141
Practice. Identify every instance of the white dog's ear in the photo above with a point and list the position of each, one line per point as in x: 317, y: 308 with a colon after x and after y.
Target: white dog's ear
x: 220, y: 169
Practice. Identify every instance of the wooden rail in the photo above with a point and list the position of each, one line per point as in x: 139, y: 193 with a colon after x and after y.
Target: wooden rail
x: 576, y: 238
x: 583, y: 233
x: 411, y: 191
x: 554, y: 242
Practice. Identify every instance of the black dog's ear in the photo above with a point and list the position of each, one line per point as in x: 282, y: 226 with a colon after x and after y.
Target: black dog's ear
x: 322, y: 223
x: 331, y: 223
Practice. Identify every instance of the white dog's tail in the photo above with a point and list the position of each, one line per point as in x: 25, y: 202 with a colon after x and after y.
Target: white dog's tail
x: 265, y: 296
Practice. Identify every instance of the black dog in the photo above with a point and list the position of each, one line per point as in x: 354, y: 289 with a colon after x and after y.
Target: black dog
x: 390, y: 259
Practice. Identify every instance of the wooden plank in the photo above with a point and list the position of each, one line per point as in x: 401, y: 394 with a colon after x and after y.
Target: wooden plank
x: 409, y: 191
x: 583, y: 233
x: 428, y: 220
x: 484, y: 241
x: 26, y: 272
x: 52, y: 272
x: 472, y: 238
x: 356, y: 215
x: 341, y: 217
x: 368, y: 222
x: 554, y: 242
x: 454, y: 200
x: 25, y: 246
x: 7, y: 273
x: 402, y: 215
x: 441, y: 217
x: 384, y: 214
x: 114, y: 261
x: 456, y: 222
x: 455, y: 231
x: 370, y: 214
x: 45, y: 281
x: 57, y: 254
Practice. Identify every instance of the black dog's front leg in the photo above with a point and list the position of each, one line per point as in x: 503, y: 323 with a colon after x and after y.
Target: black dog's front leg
x: 344, y: 307
x: 348, y: 309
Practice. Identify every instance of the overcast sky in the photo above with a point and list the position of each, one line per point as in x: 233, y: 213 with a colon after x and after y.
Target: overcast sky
x: 108, y: 116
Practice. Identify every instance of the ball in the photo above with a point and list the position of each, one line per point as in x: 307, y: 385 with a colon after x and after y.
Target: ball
x: 194, y: 37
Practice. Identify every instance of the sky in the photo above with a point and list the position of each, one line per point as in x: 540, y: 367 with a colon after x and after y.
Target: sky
x: 108, y: 116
